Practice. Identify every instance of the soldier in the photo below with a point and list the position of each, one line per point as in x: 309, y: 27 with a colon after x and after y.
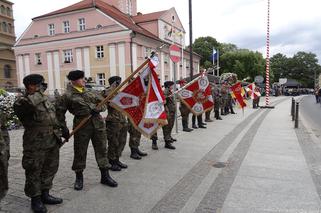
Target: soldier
x: 184, y: 112
x: 116, y: 125
x: 217, y: 102
x: 170, y: 112
x: 199, y: 122
x: 224, y: 93
x: 41, y: 140
x: 230, y: 103
x: 134, y: 142
x: 82, y: 103
x: 4, y: 154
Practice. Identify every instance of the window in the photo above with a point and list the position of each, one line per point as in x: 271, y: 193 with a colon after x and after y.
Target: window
x: 82, y: 24
x: 10, y: 28
x: 38, y: 58
x: 3, y: 9
x: 7, y: 71
x: 148, y: 51
x: 166, y: 58
x: 8, y: 11
x: 51, y: 29
x: 101, y: 80
x: 99, y: 51
x: 4, y: 27
x: 68, y: 56
x: 66, y: 26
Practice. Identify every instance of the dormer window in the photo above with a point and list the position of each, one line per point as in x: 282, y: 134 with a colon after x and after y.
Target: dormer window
x: 81, y: 24
x: 51, y: 29
x: 66, y: 27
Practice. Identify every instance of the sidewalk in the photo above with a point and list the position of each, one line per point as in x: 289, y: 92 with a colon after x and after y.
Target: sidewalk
x: 264, y: 170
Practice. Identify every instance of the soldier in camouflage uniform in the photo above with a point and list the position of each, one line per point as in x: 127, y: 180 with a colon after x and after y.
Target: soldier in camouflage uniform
x: 82, y: 103
x: 184, y: 112
x: 4, y: 154
x: 199, y: 122
x: 134, y: 142
x: 217, y: 102
x: 170, y: 112
x: 224, y: 93
x: 41, y: 140
x: 116, y: 125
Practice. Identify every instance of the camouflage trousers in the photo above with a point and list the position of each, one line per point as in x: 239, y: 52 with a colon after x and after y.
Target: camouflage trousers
x: 167, y: 129
x: 81, y: 142
x: 41, y: 165
x: 116, y: 135
x: 4, y: 158
x: 134, y: 137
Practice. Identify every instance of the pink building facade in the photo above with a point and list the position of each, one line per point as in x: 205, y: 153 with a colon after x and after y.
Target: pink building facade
x: 103, y: 38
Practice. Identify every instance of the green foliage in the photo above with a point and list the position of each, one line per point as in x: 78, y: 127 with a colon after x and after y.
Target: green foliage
x: 204, y: 47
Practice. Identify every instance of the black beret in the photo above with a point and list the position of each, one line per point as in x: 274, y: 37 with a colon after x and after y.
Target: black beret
x: 75, y: 75
x: 167, y: 84
x: 112, y: 79
x: 33, y: 79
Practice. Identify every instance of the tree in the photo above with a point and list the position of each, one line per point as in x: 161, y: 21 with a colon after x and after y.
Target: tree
x: 204, y: 47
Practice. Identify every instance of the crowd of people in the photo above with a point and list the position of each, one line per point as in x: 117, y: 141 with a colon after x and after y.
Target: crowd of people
x: 45, y: 131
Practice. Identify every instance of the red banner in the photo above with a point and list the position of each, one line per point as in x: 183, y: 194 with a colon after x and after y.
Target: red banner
x: 237, y: 93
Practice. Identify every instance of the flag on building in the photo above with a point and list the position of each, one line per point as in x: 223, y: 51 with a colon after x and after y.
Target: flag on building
x: 237, y: 93
x: 197, y: 95
x: 132, y: 101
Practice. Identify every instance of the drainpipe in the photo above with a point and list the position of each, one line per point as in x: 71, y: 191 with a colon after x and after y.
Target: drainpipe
x: 132, y: 35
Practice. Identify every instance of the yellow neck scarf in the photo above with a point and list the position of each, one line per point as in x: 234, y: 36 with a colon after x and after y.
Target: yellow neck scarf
x: 79, y: 89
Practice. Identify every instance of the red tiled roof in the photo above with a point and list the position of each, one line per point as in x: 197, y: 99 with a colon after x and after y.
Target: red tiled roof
x: 109, y: 10
x: 148, y: 17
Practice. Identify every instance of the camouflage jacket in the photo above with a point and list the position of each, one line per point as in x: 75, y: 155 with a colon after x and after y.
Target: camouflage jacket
x: 170, y: 102
x: 80, y: 104
x: 2, y: 145
x: 38, y: 116
x: 113, y: 114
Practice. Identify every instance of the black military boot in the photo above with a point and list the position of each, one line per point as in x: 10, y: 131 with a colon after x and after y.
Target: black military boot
x: 185, y: 127
x: 46, y: 198
x: 217, y: 115
x: 106, y: 179
x: 173, y: 139
x: 140, y: 153
x: 168, y: 145
x: 134, y: 154
x: 114, y: 165
x: 121, y: 165
x: 194, y: 122
x: 37, y: 205
x: 154, y: 145
x: 79, y: 182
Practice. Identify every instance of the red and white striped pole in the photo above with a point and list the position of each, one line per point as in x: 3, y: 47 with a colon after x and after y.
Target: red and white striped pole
x: 267, y: 77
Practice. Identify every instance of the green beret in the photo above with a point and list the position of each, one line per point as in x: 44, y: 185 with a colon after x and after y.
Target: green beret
x: 33, y: 79
x: 113, y: 79
x: 75, y: 75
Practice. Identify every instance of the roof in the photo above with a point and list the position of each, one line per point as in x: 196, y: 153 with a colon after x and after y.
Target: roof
x: 148, y: 17
x: 109, y: 10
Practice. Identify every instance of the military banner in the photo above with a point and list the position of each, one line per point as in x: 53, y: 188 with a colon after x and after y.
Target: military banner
x: 253, y: 91
x: 238, y: 92
x: 197, y: 95
x: 132, y: 101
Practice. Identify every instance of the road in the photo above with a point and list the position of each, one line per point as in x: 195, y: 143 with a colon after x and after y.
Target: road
x: 311, y: 113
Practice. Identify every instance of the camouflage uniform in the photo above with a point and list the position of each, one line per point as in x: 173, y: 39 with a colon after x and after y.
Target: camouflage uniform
x: 170, y: 112
x: 116, y: 125
x: 224, y: 92
x: 185, y: 115
x: 41, y: 140
x: 217, y: 102
x: 4, y: 155
x: 81, y: 105
x: 134, y: 136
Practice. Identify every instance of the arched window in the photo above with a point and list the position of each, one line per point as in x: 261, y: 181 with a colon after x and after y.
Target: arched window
x: 8, y: 11
x: 4, y: 27
x: 7, y: 71
x: 3, y: 9
x: 9, y: 28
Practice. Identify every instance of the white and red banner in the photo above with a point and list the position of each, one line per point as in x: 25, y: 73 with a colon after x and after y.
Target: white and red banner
x: 253, y: 91
x: 197, y: 95
x: 140, y: 98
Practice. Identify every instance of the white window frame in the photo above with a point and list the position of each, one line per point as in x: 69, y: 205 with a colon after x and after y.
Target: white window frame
x: 101, y: 79
x: 81, y: 24
x: 147, y: 51
x: 100, y: 52
x: 38, y: 59
x: 51, y: 29
x: 66, y: 26
x: 67, y: 56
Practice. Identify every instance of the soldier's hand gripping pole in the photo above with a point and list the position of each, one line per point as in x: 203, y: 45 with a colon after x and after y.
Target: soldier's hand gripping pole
x: 85, y: 120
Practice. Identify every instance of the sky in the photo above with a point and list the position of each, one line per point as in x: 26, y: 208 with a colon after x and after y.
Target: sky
x: 295, y: 25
